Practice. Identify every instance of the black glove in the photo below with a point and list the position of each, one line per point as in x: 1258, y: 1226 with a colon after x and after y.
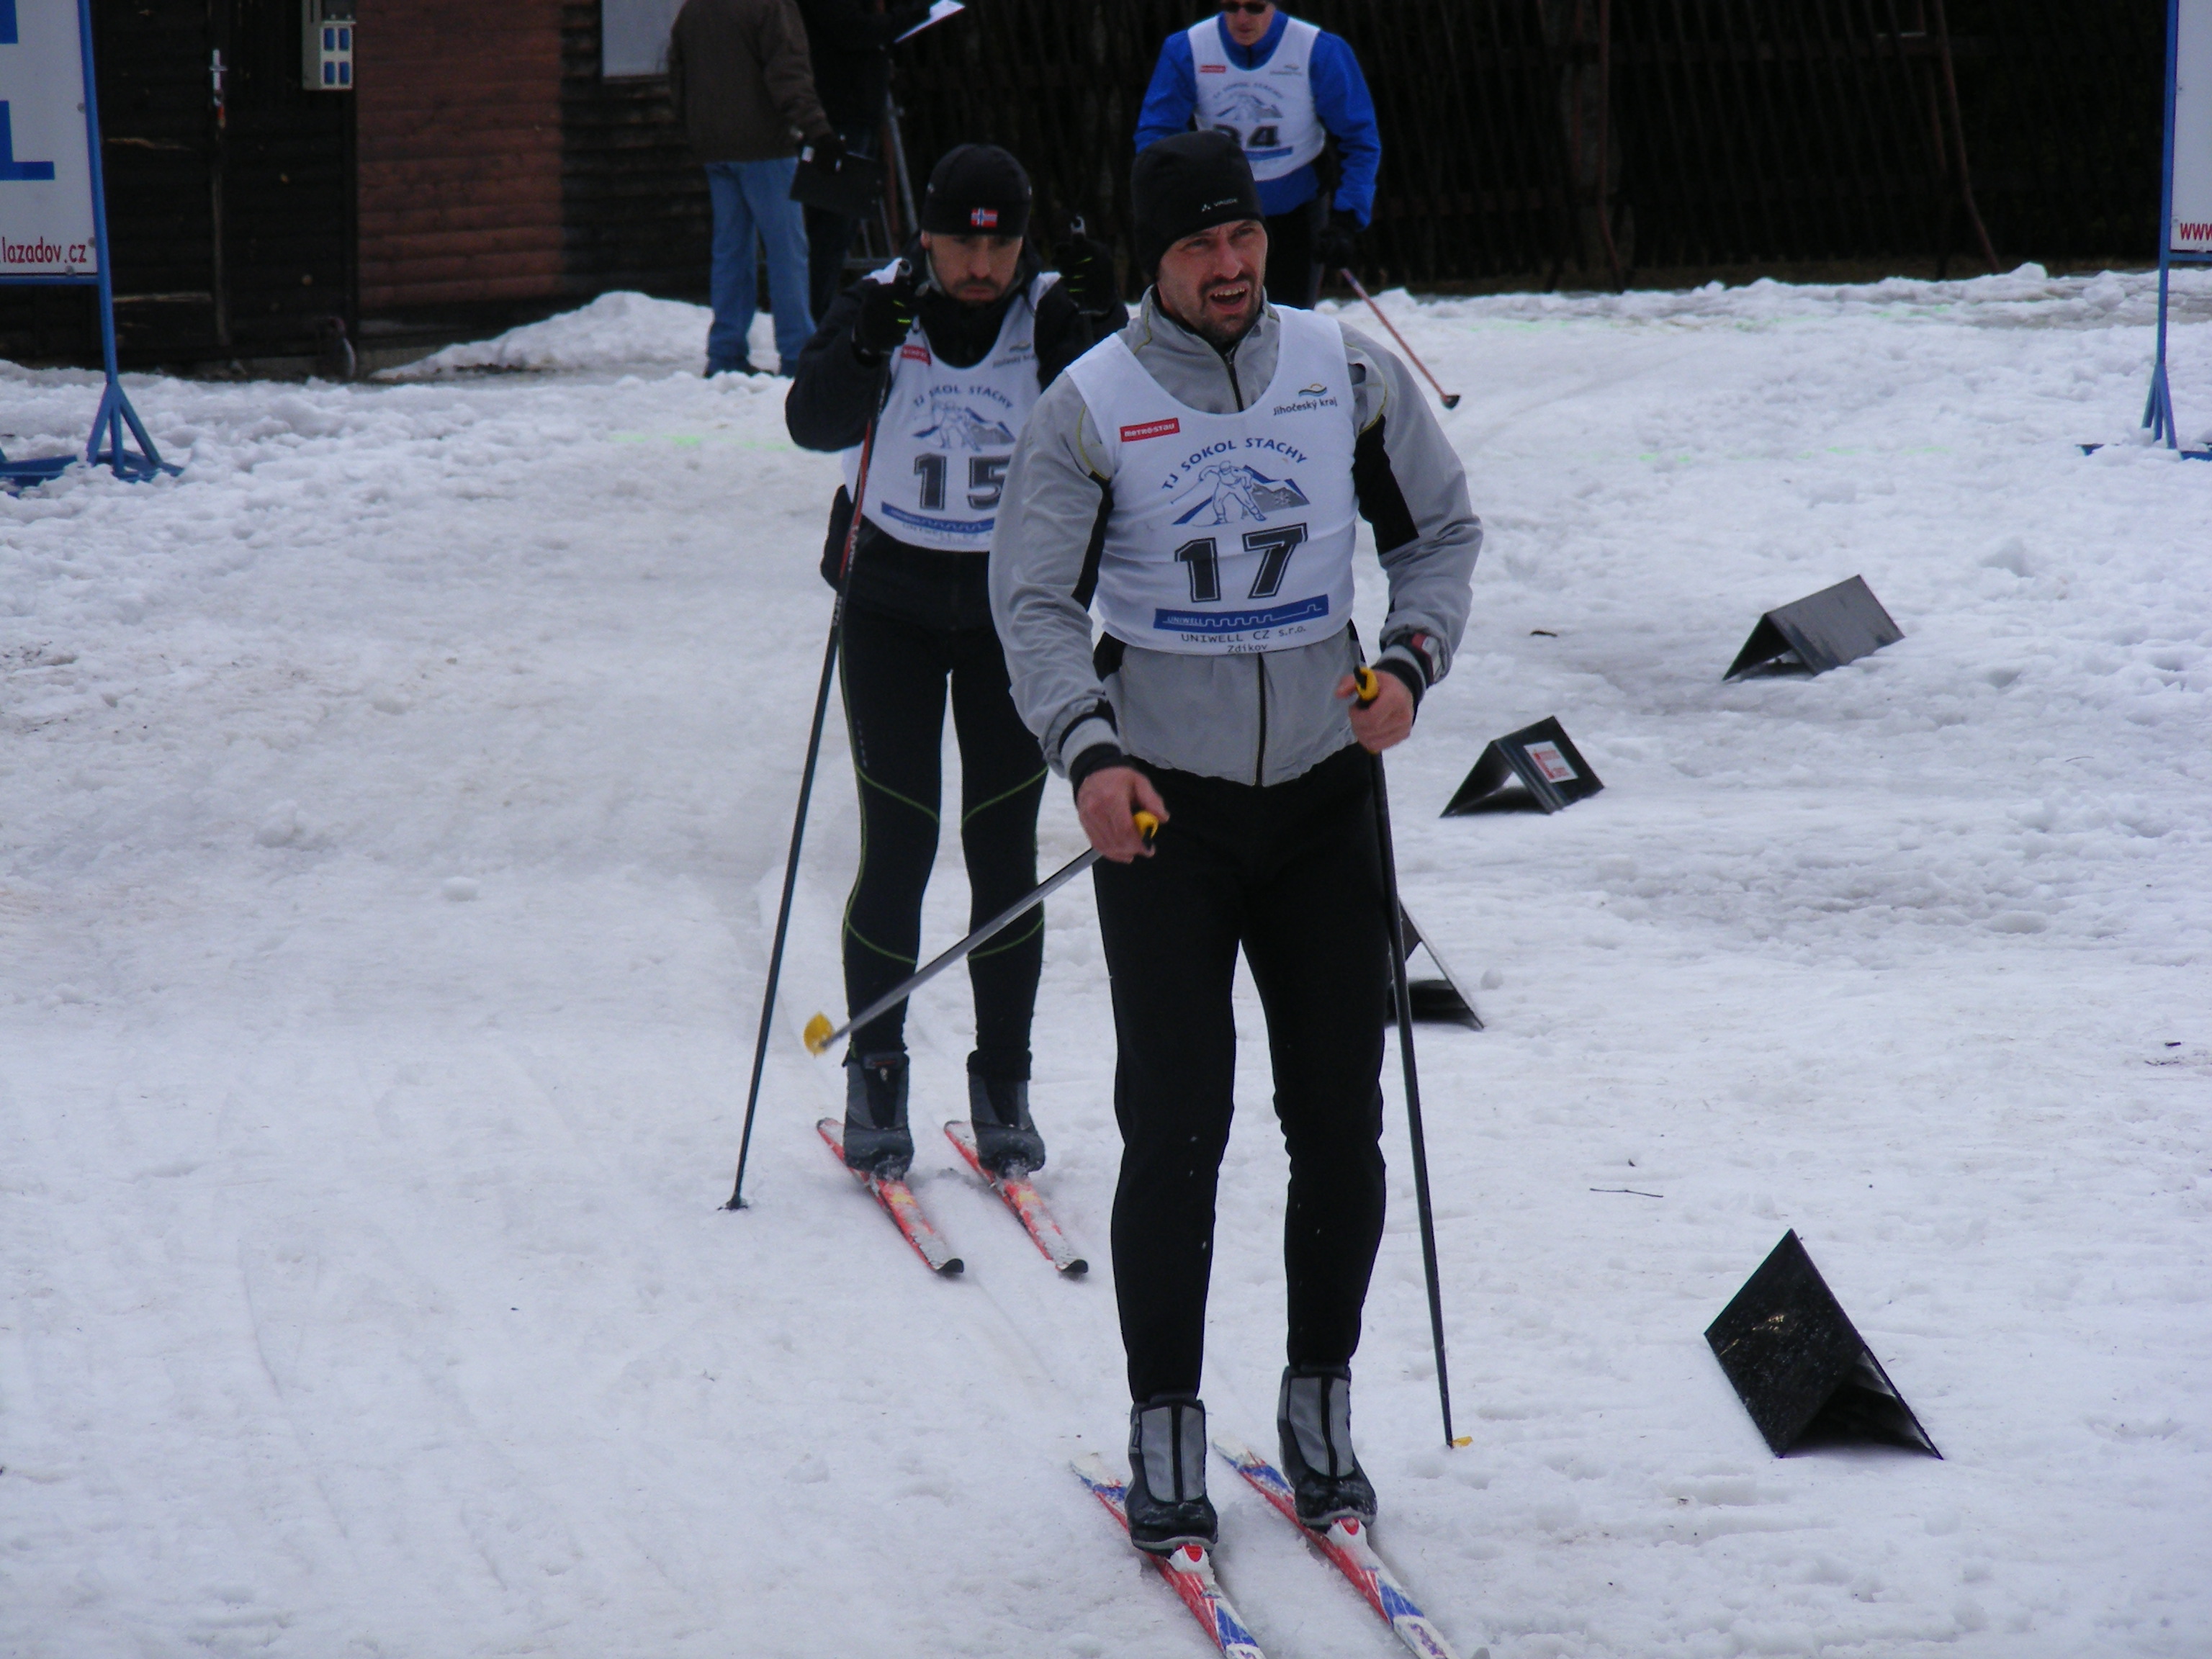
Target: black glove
x: 1086, y: 271
x: 886, y: 314
x: 1337, y: 246
x: 825, y: 150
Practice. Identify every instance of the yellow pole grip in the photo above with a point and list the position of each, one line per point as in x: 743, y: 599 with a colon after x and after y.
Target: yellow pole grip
x: 1369, y: 687
x: 1147, y: 825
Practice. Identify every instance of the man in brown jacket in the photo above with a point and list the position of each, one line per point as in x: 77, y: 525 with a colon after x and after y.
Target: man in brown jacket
x: 744, y: 91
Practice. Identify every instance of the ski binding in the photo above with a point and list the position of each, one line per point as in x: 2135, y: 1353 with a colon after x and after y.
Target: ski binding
x: 1345, y: 1543
x: 1189, y: 1569
x: 1024, y: 1201
x: 899, y: 1204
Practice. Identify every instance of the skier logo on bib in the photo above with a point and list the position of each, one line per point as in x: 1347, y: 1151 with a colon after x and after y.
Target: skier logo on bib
x: 955, y: 426
x: 1246, y: 115
x: 1232, y: 490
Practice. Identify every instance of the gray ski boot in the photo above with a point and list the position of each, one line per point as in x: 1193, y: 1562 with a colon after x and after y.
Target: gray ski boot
x: 1166, y: 1501
x: 1007, y: 1142
x: 877, y: 1139
x: 1313, y: 1415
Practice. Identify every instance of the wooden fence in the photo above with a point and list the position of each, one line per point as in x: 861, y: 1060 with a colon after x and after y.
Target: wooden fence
x: 1581, y: 140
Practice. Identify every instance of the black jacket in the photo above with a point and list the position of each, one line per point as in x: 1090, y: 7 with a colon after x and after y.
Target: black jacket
x: 740, y: 80
x: 849, y: 41
x: 833, y: 393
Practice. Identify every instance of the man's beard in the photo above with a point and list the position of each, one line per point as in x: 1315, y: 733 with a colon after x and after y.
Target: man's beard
x: 1211, y: 328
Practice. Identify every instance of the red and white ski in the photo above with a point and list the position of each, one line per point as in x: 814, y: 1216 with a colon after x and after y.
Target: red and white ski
x: 1189, y: 1569
x: 1024, y: 1201
x: 899, y: 1204
x: 1345, y: 1544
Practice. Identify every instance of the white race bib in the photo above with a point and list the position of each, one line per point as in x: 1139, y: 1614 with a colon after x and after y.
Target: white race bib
x: 947, y: 434
x: 1269, y: 110
x: 1229, y: 533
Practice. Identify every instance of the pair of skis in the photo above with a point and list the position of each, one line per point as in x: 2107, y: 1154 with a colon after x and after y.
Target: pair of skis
x: 915, y: 1226
x: 1189, y: 1569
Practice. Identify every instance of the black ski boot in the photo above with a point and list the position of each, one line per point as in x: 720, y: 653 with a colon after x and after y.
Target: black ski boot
x: 1166, y: 1502
x: 877, y: 1139
x: 1312, y: 1414
x: 1007, y: 1142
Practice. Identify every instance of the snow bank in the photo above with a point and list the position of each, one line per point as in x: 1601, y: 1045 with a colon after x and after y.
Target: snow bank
x: 615, y: 331
x: 2026, y: 296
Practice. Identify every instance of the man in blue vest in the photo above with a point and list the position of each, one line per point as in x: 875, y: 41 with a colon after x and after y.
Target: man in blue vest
x: 1282, y: 87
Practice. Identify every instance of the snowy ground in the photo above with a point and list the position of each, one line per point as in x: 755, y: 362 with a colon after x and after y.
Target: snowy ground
x: 390, y: 810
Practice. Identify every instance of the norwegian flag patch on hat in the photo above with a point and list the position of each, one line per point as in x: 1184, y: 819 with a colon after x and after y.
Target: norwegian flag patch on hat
x: 976, y: 190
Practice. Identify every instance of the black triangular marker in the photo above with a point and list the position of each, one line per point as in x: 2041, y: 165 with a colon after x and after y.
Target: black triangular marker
x: 1800, y: 1368
x: 1436, y: 1001
x: 1549, y: 771
x: 1819, y: 632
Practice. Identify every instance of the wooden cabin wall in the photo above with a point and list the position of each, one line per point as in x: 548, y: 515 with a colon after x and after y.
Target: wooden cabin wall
x: 459, y: 154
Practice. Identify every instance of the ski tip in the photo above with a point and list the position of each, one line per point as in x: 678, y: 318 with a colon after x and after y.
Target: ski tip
x: 816, y: 1035
x: 1235, y: 1450
x: 953, y: 1265
x: 1074, y: 1267
x: 1090, y: 1469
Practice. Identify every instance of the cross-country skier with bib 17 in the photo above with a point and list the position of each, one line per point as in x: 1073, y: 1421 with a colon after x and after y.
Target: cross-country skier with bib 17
x: 968, y: 337
x: 1282, y: 87
x: 1196, y: 477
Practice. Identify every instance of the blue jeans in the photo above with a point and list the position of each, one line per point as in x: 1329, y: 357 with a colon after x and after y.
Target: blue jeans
x: 752, y: 199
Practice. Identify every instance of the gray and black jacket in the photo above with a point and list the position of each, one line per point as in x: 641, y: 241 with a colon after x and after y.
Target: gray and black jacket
x: 1260, y: 719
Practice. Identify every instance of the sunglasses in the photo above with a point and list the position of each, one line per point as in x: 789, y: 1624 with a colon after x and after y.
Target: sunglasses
x: 1250, y: 8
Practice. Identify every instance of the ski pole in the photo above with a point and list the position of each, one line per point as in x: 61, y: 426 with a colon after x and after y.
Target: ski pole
x: 1451, y: 398
x: 807, y: 773
x: 819, y: 1036
x: 1369, y: 687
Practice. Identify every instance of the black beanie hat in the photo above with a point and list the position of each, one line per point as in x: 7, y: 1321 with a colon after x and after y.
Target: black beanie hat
x: 1183, y: 184
x: 977, y: 190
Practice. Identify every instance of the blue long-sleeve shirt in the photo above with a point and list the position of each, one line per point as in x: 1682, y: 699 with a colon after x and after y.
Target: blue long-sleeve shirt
x: 1341, y: 100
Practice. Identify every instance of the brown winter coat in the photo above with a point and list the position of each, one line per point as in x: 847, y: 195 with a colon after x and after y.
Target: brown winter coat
x: 743, y: 87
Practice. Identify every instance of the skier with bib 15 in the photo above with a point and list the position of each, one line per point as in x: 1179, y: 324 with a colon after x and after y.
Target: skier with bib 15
x: 969, y: 330
x: 1221, y: 699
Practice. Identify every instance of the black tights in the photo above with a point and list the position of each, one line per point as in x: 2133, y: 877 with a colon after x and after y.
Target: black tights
x: 894, y: 674
x: 1290, y: 875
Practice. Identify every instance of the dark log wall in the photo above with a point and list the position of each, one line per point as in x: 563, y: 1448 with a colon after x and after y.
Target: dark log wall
x: 230, y: 223
x: 634, y: 199
x: 1822, y: 129
x: 287, y: 187
x: 160, y: 142
x: 459, y: 125
x: 1465, y: 91
x: 1719, y: 133
x: 1697, y: 137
